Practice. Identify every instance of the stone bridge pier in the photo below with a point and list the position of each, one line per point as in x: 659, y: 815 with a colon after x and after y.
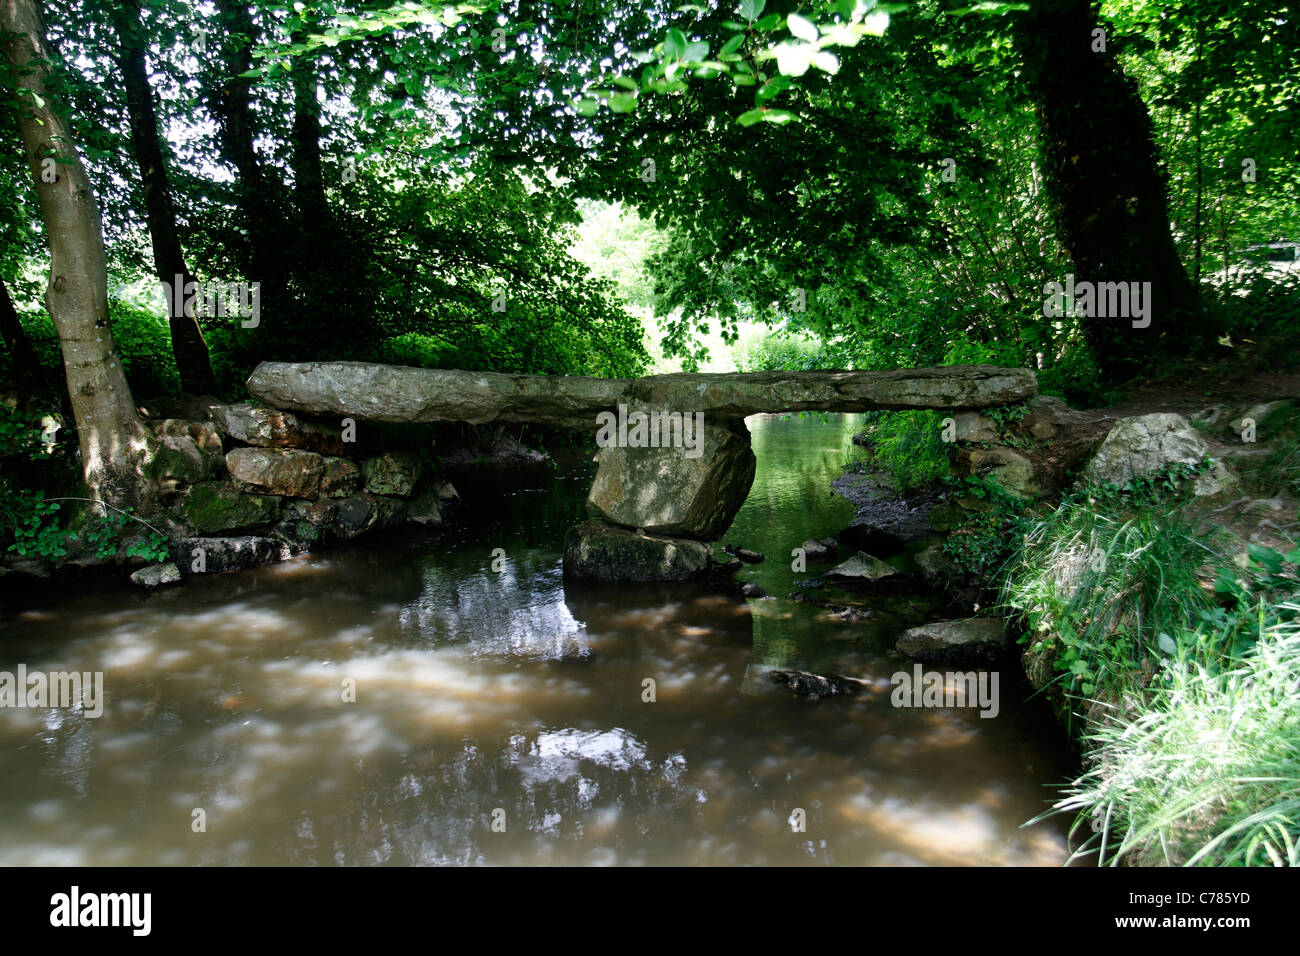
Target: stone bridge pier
x: 675, y: 462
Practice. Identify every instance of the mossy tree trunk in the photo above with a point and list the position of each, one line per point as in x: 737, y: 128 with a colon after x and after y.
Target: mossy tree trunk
x: 1101, y: 168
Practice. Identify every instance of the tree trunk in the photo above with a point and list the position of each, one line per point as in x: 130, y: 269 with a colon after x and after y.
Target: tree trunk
x: 115, y: 448
x: 1101, y: 168
x: 330, y: 267
x: 231, y: 104
x: 188, y: 346
x: 309, y: 179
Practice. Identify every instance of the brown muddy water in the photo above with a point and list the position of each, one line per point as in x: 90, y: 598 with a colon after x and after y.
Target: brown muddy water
x: 499, y: 717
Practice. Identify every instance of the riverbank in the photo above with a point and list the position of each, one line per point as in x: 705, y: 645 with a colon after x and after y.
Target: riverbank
x: 1146, y: 562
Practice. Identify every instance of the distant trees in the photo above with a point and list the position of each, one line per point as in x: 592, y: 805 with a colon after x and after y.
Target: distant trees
x: 191, y: 351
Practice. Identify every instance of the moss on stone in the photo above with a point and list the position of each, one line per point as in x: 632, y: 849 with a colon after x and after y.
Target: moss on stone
x: 214, y: 506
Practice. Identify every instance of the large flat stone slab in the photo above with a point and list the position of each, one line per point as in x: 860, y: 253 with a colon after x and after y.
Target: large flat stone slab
x: 390, y: 393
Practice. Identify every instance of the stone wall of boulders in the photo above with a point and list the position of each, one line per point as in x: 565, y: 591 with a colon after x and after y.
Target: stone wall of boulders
x: 1053, y: 447
x: 245, y: 484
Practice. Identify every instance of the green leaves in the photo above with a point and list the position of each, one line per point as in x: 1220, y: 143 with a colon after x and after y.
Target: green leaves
x: 678, y: 59
x: 801, y: 27
x: 729, y: 51
x: 622, y: 102
x: 678, y: 48
x: 762, y: 115
x: 774, y: 86
x: 675, y: 44
x: 794, y: 59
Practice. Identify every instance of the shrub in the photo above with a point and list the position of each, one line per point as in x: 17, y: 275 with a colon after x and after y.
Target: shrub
x: 989, y: 535
x: 781, y: 351
x: 906, y: 447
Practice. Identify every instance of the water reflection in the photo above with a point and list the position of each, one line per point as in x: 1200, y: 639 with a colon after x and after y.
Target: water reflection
x: 500, y: 718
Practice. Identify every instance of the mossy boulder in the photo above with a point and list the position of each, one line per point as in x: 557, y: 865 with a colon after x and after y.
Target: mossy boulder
x: 392, y: 473
x: 181, y: 461
x: 340, y: 478
x: 213, y: 506
x: 947, y: 516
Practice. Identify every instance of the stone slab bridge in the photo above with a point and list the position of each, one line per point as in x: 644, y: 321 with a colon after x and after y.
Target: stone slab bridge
x: 675, y: 462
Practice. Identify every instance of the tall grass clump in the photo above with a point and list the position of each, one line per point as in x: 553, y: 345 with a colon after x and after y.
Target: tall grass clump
x: 1208, y: 773
x: 1102, y: 581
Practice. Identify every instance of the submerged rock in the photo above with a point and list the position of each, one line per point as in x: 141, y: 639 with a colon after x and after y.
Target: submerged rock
x: 156, y: 575
x: 864, y: 535
x: 804, y: 684
x: 211, y: 555
x: 973, y: 638
x: 863, y: 569
x: 597, y: 551
x: 847, y: 613
x: 744, y: 554
x: 820, y: 550
x: 425, y: 509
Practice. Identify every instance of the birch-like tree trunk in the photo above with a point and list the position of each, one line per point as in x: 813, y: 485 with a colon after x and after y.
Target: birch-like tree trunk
x: 115, y: 448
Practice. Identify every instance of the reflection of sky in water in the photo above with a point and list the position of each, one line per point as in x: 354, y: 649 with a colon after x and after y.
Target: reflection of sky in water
x: 479, y: 691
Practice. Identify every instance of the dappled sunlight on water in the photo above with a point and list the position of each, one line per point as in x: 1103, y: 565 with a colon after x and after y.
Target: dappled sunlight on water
x: 399, y: 702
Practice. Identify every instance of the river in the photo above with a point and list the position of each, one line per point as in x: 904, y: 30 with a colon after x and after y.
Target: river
x: 498, y: 718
